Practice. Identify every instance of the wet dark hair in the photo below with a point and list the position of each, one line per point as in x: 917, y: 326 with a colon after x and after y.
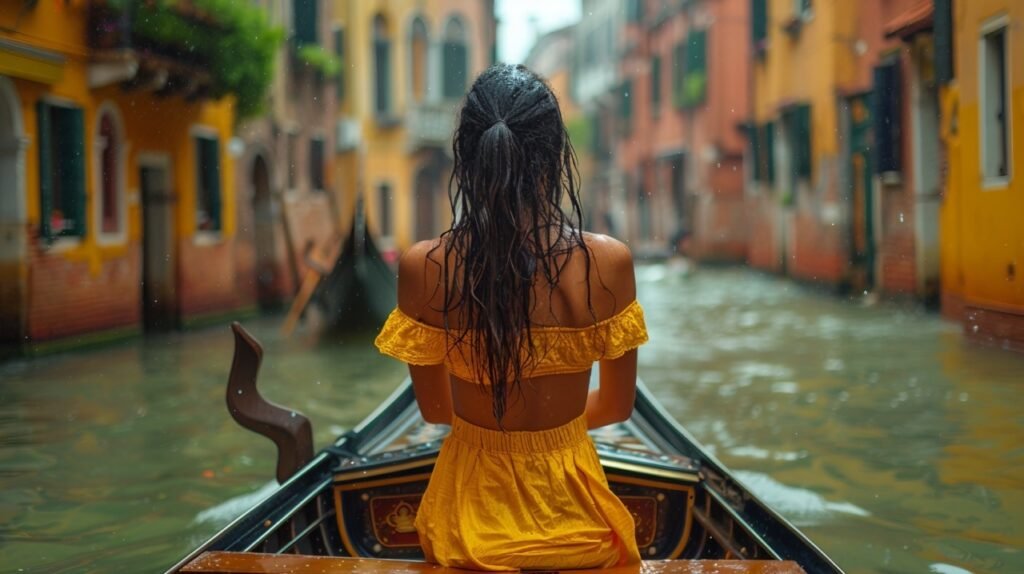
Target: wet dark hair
x: 514, y: 169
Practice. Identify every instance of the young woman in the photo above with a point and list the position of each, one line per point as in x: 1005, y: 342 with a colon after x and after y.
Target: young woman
x: 501, y: 320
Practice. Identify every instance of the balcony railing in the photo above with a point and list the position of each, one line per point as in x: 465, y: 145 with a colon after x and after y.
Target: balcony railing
x: 430, y: 125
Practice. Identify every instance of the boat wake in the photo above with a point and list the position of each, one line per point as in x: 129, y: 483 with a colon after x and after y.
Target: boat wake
x: 799, y: 505
x: 233, y: 507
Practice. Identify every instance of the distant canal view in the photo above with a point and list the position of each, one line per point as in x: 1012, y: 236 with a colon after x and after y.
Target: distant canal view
x: 878, y: 431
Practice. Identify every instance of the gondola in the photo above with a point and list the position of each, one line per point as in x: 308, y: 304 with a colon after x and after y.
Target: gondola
x: 349, y: 508
x: 360, y: 290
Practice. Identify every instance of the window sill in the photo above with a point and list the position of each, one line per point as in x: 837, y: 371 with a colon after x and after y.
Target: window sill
x: 207, y: 238
x: 115, y: 239
x: 64, y: 244
x: 995, y: 183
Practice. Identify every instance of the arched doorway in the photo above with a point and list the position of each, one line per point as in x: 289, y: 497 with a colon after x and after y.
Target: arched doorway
x: 13, y: 229
x: 267, y: 288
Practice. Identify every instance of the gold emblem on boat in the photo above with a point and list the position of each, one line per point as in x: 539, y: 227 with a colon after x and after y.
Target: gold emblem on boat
x: 402, y: 518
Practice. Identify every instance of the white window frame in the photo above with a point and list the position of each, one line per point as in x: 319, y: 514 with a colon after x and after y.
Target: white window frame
x: 62, y: 243
x: 204, y: 236
x: 991, y: 25
x: 120, y: 236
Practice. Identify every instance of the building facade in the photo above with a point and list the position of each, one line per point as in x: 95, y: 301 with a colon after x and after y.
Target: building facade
x: 406, y: 68
x: 116, y: 186
x: 982, y: 237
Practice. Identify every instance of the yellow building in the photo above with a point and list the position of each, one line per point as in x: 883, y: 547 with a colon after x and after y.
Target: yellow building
x: 116, y: 188
x: 982, y: 214
x: 405, y: 69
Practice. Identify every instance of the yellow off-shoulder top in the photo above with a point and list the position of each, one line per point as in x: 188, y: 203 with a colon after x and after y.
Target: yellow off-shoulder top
x: 557, y: 350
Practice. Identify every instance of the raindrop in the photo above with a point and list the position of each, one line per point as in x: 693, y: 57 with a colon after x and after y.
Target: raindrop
x: 901, y: 217
x: 239, y: 391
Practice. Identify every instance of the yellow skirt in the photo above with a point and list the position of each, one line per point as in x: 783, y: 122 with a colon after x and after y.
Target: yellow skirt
x: 523, y: 500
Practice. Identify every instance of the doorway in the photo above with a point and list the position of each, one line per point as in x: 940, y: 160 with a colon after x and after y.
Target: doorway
x: 267, y: 275
x: 862, y: 243
x: 159, y: 258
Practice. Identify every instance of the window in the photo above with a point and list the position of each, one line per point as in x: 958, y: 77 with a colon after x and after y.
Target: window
x: 109, y: 150
x: 656, y: 85
x: 305, y: 22
x: 61, y: 170
x: 797, y: 122
x: 207, y: 183
x: 762, y: 144
x: 381, y: 67
x: 887, y: 113
x: 384, y: 207
x: 316, y: 163
x: 995, y: 157
x: 678, y: 73
x: 695, y: 75
x: 292, y: 151
x: 943, y: 22
x: 456, y: 59
x: 339, y: 53
x: 419, y: 51
x: 635, y: 11
x: 626, y: 107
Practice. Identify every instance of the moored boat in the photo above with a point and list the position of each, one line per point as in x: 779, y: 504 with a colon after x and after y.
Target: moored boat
x: 350, y: 507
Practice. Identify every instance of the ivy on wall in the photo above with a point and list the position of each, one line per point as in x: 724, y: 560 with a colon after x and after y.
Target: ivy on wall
x: 233, y: 40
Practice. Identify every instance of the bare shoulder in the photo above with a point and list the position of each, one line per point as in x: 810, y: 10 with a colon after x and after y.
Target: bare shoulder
x: 613, y: 271
x: 418, y: 274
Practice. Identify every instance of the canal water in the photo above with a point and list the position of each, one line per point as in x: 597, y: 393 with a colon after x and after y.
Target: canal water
x: 889, y: 440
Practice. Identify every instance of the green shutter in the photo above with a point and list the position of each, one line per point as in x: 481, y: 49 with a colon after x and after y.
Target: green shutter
x: 71, y: 150
x: 626, y: 105
x: 800, y: 137
x: 769, y: 151
x: 45, y: 168
x: 758, y: 21
x: 382, y: 55
x: 209, y: 198
x: 635, y: 10
x: 656, y: 83
x: 455, y: 65
x: 305, y: 22
x: 339, y: 52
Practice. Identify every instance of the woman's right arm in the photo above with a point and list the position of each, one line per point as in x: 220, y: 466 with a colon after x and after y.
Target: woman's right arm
x: 612, y: 401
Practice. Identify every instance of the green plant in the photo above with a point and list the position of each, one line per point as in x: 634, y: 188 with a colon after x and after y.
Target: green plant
x: 694, y: 87
x: 232, y: 39
x: 327, y: 64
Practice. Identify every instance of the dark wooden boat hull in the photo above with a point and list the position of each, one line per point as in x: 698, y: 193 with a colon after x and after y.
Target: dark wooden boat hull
x: 355, y: 498
x: 361, y: 288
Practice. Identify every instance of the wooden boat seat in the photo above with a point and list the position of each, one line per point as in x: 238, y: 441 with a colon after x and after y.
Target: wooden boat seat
x: 248, y: 563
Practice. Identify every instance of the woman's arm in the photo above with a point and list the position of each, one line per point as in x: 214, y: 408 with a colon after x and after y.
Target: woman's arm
x: 431, y: 383
x: 612, y: 401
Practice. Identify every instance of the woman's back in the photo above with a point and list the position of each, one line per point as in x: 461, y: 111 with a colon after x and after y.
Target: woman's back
x: 587, y: 294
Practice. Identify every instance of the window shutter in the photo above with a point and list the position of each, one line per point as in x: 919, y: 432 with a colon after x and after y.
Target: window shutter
x: 635, y: 11
x: 656, y: 83
x: 305, y: 22
x: 943, y: 28
x: 71, y: 152
x: 679, y: 74
x: 455, y: 64
x: 886, y: 100
x: 696, y: 78
x: 382, y: 50
x: 802, y: 137
x: 316, y: 163
x: 339, y: 52
x: 769, y: 151
x: 45, y: 169
x: 753, y: 133
x: 758, y: 21
x: 209, y: 151
x: 626, y: 105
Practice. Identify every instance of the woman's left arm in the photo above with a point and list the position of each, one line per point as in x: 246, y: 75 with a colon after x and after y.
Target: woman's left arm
x: 431, y: 383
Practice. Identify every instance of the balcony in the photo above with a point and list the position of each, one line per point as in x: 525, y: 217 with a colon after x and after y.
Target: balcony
x: 430, y: 125
x: 124, y: 50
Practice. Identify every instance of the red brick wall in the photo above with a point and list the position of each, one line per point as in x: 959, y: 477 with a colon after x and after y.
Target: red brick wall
x: 66, y: 297
x: 761, y: 247
x: 897, y: 258
x: 817, y: 250
x: 206, y: 278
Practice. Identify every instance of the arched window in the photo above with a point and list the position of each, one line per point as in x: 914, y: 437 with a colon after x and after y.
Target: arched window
x: 456, y: 59
x: 381, y: 66
x: 419, y: 48
x: 109, y: 180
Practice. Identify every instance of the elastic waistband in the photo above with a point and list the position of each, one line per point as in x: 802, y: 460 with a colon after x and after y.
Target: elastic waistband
x: 568, y: 435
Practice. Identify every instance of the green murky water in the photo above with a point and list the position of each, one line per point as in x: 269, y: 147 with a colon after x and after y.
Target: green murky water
x: 892, y: 443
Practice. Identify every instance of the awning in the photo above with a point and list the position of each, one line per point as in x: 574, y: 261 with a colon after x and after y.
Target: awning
x: 31, y: 63
x: 916, y: 19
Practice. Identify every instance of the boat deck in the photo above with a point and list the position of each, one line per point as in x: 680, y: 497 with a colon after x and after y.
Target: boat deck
x: 248, y: 563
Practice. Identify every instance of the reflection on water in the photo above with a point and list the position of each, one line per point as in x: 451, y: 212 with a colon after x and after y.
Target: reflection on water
x: 893, y: 444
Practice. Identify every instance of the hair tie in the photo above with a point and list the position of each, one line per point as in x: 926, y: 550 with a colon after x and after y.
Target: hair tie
x: 500, y: 121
